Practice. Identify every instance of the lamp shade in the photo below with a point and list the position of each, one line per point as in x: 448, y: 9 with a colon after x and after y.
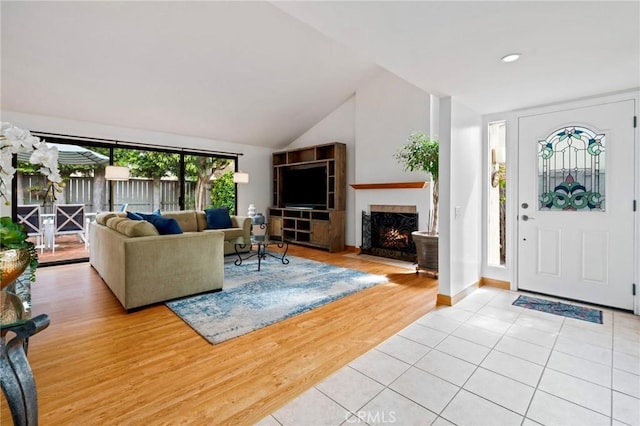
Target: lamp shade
x: 241, y: 177
x: 116, y: 173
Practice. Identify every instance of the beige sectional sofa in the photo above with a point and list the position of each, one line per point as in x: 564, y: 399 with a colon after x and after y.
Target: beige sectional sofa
x: 142, y: 267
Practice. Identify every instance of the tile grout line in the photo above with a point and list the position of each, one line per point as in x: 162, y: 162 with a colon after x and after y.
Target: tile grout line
x: 460, y: 388
x: 544, y: 368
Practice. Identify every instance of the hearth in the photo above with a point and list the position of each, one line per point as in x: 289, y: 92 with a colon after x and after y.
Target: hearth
x: 386, y: 232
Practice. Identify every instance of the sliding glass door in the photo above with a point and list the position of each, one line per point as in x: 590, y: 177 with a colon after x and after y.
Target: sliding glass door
x: 159, y: 179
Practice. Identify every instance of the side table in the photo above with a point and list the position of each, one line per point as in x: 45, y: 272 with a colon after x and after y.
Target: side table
x: 261, y: 243
x: 16, y: 376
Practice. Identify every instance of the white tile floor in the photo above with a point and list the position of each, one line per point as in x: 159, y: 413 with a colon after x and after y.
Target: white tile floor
x: 485, y: 362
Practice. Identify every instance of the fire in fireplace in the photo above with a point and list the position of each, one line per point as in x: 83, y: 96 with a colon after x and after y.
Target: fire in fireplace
x: 386, y: 232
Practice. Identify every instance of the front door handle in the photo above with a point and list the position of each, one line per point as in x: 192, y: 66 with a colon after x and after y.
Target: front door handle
x: 526, y: 218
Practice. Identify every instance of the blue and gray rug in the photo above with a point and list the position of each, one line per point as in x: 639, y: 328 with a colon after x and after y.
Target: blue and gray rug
x: 559, y: 308
x: 251, y: 300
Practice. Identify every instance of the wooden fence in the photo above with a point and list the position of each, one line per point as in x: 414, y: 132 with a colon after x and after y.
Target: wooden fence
x: 139, y: 194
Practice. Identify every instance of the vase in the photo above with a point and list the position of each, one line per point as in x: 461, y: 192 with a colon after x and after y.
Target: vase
x: 427, y: 251
x: 258, y: 219
x: 13, y: 262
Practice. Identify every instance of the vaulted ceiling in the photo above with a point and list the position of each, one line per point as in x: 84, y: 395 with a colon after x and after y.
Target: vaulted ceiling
x: 262, y: 73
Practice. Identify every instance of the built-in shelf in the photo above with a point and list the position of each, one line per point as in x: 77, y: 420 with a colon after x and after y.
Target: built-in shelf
x: 322, y: 228
x: 390, y: 185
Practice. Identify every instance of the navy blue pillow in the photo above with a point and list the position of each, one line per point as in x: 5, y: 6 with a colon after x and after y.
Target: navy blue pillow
x: 146, y: 216
x: 134, y: 216
x: 164, y: 225
x: 218, y: 218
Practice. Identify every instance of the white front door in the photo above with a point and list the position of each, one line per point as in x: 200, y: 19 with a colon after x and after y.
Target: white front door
x: 575, y: 203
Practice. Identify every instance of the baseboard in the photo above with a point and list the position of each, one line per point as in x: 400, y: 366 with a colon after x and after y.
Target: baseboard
x: 443, y: 299
x: 504, y: 285
x: 352, y: 249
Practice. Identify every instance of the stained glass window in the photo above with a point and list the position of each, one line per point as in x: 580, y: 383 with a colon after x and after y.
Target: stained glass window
x: 571, y: 170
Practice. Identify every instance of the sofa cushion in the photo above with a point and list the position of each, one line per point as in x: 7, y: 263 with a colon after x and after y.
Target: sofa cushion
x: 131, y: 228
x: 136, y: 228
x: 165, y: 225
x: 113, y: 222
x: 186, y: 219
x: 102, y: 218
x: 218, y: 218
x: 201, y: 219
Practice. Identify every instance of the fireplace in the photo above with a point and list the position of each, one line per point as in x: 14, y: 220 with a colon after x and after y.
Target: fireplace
x: 386, y: 232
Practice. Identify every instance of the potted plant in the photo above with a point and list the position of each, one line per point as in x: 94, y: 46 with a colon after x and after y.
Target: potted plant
x: 16, y: 253
x: 421, y: 153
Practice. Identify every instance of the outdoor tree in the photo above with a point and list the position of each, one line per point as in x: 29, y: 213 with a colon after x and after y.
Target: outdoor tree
x: 202, y: 169
x: 223, y: 192
x: 149, y: 164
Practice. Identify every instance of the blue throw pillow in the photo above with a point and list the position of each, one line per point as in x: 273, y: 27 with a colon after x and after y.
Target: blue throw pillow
x: 134, y: 216
x: 145, y: 216
x: 218, y: 218
x: 164, y: 225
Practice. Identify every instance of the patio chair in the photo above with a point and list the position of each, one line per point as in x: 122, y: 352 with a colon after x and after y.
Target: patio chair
x: 30, y: 217
x: 69, y: 219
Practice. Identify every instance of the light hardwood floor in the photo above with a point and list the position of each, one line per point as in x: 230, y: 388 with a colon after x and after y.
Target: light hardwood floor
x: 96, y: 365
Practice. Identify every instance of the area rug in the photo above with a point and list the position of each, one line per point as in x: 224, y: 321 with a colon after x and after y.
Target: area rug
x: 251, y: 300
x: 558, y: 308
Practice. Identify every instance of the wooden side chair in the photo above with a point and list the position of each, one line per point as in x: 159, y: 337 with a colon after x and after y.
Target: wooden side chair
x: 69, y: 219
x: 30, y: 217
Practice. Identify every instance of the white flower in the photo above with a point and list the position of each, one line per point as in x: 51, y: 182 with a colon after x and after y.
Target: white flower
x: 14, y: 140
x: 45, y: 155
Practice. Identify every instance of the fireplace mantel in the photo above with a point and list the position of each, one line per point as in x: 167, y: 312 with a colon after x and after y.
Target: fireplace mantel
x: 390, y: 185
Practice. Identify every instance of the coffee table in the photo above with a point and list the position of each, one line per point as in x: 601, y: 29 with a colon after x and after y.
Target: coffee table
x: 261, y: 242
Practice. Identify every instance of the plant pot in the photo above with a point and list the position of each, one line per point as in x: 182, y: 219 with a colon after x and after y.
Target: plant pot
x: 13, y: 263
x: 426, y: 250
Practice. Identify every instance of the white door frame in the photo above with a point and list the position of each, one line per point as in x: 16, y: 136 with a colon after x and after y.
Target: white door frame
x: 511, y: 118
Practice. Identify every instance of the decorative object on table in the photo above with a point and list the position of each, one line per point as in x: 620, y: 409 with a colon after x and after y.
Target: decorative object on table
x: 252, y: 210
x: 258, y: 219
x: 421, y: 153
x: 16, y: 255
x: 559, y: 308
x: 250, y: 301
x: 14, y: 140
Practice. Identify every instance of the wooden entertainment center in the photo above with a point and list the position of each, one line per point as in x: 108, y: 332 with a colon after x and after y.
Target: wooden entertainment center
x: 322, y: 223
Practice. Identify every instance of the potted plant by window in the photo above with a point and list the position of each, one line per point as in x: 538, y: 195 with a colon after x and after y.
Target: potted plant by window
x: 16, y: 253
x: 421, y: 153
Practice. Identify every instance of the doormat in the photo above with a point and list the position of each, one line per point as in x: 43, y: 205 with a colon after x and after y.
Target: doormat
x: 558, y: 308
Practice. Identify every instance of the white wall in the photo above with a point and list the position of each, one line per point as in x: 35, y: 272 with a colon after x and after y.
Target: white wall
x: 255, y: 161
x: 460, y: 255
x: 338, y: 126
x: 388, y: 109
x: 374, y: 124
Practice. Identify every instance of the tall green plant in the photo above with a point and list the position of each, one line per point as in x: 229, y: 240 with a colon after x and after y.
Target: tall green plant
x: 421, y: 153
x: 223, y: 192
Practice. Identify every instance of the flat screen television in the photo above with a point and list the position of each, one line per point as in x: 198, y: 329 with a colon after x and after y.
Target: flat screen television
x: 305, y: 187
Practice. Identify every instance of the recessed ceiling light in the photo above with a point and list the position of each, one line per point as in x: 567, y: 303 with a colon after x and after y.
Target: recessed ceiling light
x: 511, y: 57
